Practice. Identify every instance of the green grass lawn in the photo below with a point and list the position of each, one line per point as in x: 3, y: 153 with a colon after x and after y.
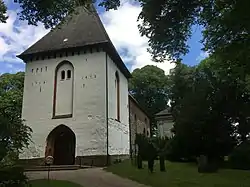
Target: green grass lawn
x: 53, y: 183
x: 182, y: 175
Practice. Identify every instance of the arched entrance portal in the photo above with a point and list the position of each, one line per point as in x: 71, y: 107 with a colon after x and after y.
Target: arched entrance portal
x: 61, y: 143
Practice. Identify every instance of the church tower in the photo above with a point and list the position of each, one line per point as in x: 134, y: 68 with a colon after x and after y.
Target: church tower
x: 76, y: 94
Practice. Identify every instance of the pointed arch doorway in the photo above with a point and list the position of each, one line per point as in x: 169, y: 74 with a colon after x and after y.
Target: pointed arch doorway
x: 61, y: 143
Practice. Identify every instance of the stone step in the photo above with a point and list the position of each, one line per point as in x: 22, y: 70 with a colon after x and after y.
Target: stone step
x: 55, y: 168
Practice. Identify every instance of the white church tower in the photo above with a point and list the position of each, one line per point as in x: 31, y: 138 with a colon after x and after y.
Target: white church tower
x: 76, y: 95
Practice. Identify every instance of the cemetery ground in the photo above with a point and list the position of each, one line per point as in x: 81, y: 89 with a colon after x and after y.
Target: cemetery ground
x: 181, y: 175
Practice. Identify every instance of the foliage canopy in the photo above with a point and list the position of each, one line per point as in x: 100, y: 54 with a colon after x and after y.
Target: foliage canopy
x: 14, y: 134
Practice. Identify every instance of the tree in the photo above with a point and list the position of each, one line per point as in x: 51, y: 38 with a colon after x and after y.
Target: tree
x: 168, y: 25
x: 149, y: 86
x: 3, y: 11
x: 180, y: 82
x: 203, y: 124
x: 235, y: 88
x: 14, y: 133
x: 51, y: 12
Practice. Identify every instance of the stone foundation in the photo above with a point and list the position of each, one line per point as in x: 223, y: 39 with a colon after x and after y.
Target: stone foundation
x: 94, y: 160
x: 32, y: 162
x: 99, y: 160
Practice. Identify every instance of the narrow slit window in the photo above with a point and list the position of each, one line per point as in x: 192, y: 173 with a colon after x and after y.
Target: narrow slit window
x: 117, y: 85
x: 62, y: 75
x: 69, y: 74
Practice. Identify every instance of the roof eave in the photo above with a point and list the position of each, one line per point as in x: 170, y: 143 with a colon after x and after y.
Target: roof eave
x: 138, y: 105
x: 111, y: 50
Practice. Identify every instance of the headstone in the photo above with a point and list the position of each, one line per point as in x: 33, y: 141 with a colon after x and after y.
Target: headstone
x: 206, y: 165
x: 202, y: 163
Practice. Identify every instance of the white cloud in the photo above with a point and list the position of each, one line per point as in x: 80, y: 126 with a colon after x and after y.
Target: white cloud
x: 203, y: 55
x: 122, y: 27
x: 15, y: 36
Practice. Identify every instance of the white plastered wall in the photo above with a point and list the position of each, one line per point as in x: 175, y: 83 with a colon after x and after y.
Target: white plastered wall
x: 88, y: 121
x: 164, y: 128
x: 118, y: 131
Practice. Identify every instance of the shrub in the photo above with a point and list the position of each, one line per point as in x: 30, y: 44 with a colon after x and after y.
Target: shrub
x: 174, y: 152
x: 240, y: 157
x: 12, y: 176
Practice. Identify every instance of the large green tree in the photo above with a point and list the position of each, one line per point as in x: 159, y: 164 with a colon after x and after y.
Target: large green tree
x: 235, y: 88
x: 14, y: 134
x: 149, y: 86
x: 201, y: 105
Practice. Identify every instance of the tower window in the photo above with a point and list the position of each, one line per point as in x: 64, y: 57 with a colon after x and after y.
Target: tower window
x: 37, y: 70
x: 117, y: 85
x: 144, y: 131
x: 69, y: 74
x: 62, y: 75
x: 46, y: 68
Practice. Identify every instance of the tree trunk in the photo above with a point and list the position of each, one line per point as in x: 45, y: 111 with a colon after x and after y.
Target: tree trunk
x: 162, y: 164
x: 139, y: 161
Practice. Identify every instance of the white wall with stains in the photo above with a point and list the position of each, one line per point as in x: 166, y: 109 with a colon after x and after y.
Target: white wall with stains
x: 89, y: 117
x: 118, y: 131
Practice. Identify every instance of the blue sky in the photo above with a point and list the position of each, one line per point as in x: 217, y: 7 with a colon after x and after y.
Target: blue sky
x: 121, y: 25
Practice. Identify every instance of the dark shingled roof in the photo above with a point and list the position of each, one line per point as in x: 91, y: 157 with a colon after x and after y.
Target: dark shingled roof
x: 165, y: 112
x: 138, y: 105
x: 83, y: 29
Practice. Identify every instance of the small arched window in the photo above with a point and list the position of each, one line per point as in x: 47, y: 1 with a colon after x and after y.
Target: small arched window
x: 144, y: 131
x: 62, y: 75
x: 69, y: 74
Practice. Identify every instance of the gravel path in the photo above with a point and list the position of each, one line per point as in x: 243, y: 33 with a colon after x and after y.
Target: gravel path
x: 92, y: 177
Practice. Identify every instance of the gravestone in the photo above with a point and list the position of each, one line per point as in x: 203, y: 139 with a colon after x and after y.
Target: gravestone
x: 206, y: 165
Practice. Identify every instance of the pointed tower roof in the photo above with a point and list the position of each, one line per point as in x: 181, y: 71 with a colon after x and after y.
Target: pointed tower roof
x: 83, y: 29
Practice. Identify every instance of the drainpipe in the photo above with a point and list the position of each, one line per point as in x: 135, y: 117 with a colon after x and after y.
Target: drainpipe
x: 130, y: 140
x: 107, y: 107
